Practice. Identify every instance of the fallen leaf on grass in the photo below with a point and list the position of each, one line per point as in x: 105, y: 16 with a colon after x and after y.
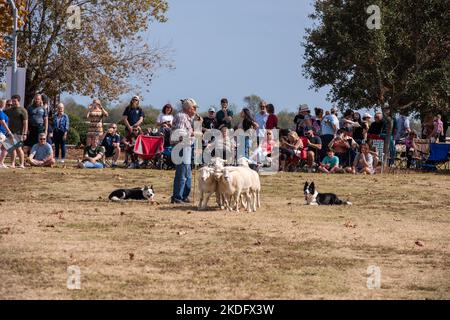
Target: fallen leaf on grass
x: 131, y: 255
x: 419, y: 243
x: 350, y: 224
x: 6, y: 230
x: 122, y: 213
x: 182, y: 233
x: 57, y: 212
x: 257, y: 243
x: 50, y: 226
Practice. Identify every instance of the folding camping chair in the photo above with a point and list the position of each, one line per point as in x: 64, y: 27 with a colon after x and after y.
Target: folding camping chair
x: 400, y: 163
x: 150, y: 148
x: 438, y: 159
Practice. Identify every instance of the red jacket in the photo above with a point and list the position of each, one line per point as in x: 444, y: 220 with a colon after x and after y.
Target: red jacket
x: 272, y: 122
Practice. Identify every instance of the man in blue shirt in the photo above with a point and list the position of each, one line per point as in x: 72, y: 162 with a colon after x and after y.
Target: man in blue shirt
x: 111, y: 143
x: 41, y: 154
x: 4, y: 131
x: 133, y: 115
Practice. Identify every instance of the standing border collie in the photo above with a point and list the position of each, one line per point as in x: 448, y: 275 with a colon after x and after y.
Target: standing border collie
x: 314, y: 198
x: 145, y: 193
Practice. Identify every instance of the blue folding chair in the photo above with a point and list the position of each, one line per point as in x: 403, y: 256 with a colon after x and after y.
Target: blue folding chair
x: 438, y: 159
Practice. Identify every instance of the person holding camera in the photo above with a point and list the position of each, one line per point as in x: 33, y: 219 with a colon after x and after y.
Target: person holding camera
x: 165, y: 118
x: 95, y: 116
x: 342, y: 145
x: 224, y: 116
x: 111, y: 143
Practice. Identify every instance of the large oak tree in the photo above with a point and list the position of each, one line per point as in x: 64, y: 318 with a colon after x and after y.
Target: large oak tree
x: 404, y: 64
x: 96, y: 59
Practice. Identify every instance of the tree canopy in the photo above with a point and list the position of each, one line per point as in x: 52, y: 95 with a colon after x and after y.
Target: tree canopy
x: 405, y: 63
x: 89, y: 47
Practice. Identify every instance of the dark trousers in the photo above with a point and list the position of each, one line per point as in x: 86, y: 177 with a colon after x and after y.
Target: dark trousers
x: 60, y: 144
x: 326, y: 139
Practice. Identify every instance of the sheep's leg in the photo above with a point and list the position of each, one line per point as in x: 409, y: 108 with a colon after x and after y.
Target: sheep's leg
x: 226, y: 202
x: 237, y: 195
x: 200, y: 201
x: 251, y: 201
x: 219, y: 200
x: 208, y: 195
x: 258, y: 194
x: 243, y: 202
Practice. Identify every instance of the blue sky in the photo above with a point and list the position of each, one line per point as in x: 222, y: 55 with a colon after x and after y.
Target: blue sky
x: 232, y: 49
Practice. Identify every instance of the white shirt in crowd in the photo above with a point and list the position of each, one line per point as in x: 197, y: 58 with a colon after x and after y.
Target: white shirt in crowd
x: 164, y: 118
x: 261, y: 120
x: 327, y: 124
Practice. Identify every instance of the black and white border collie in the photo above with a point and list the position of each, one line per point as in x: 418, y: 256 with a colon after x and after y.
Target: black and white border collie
x: 313, y: 198
x: 146, y: 193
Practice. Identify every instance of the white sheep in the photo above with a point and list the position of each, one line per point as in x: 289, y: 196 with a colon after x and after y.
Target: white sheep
x: 207, y: 185
x: 255, y: 188
x: 232, y: 183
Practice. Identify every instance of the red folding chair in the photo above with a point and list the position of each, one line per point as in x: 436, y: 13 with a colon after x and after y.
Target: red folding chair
x: 149, y: 148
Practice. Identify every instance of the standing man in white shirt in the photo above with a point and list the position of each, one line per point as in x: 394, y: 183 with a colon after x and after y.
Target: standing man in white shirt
x: 261, y: 119
x: 330, y: 126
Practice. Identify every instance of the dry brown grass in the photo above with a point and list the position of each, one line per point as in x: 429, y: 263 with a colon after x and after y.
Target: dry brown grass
x: 51, y: 219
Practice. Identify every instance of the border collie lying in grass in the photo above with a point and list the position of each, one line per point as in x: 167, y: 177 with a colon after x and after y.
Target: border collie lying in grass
x: 313, y: 198
x: 145, y: 193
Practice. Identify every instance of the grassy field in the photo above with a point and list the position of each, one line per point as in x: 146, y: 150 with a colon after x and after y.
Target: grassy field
x: 52, y: 219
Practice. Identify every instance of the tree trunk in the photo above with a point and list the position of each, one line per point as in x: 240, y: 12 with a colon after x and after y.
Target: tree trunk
x: 387, y: 139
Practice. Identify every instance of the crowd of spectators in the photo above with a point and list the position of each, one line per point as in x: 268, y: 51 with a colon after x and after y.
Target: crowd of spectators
x: 322, y: 142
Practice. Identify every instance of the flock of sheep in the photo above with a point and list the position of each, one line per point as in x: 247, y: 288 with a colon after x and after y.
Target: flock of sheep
x: 233, y: 186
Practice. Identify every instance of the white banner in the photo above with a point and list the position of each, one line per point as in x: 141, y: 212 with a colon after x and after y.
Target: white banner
x: 21, y: 77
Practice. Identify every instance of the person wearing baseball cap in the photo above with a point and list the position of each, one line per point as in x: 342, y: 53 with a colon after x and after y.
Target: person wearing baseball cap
x: 182, y: 133
x: 210, y: 121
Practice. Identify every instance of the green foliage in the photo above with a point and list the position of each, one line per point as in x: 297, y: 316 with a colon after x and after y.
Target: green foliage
x: 405, y: 63
x: 253, y: 102
x: 286, y: 120
x: 73, y: 137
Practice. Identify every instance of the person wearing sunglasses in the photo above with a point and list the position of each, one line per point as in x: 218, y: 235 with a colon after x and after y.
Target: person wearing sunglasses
x: 41, y: 154
x: 129, y: 142
x: 133, y: 115
x: 111, y: 143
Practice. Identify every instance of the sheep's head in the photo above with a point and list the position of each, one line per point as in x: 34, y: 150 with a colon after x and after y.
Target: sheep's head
x: 243, y: 162
x: 226, y: 174
x: 205, y: 173
x: 218, y: 163
x: 218, y: 173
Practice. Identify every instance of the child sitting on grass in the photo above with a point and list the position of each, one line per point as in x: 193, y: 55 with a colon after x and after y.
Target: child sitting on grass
x: 330, y: 164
